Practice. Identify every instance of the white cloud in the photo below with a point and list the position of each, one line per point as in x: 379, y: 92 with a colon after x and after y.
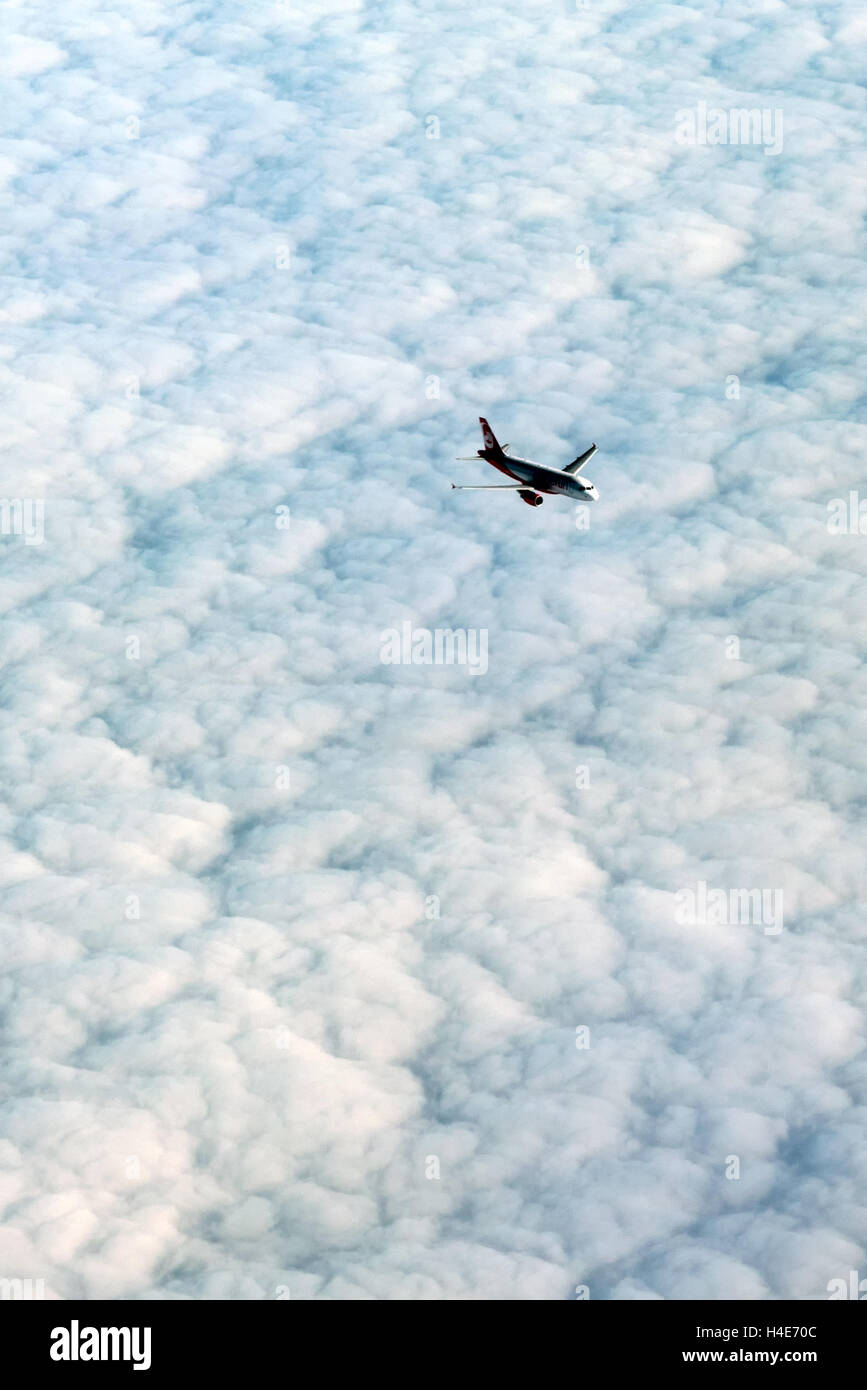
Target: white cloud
x: 298, y: 942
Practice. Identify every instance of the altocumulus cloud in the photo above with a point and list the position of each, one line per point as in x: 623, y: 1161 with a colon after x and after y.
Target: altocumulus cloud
x: 368, y: 980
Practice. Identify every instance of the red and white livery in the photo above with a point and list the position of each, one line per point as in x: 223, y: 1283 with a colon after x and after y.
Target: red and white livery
x: 531, y: 480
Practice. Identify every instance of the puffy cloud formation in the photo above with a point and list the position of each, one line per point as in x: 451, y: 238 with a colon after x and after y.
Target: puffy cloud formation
x: 351, y: 979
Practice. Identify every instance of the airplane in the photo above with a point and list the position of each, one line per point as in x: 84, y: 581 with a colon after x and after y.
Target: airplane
x: 531, y: 479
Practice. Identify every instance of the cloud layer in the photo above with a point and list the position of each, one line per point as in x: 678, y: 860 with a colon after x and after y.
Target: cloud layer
x: 361, y: 980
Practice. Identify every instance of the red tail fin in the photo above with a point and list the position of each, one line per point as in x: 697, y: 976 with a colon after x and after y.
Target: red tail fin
x: 488, y: 434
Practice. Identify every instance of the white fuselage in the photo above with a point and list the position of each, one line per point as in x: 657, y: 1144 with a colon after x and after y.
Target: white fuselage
x: 542, y: 479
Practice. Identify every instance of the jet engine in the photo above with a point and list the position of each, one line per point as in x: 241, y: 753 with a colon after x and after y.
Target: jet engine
x: 531, y: 498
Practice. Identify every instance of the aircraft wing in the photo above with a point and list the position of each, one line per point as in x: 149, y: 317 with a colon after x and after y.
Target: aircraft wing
x: 492, y: 487
x: 577, y: 464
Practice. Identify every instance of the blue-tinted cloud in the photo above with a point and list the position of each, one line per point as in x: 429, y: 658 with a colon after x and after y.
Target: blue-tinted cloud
x: 298, y: 942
